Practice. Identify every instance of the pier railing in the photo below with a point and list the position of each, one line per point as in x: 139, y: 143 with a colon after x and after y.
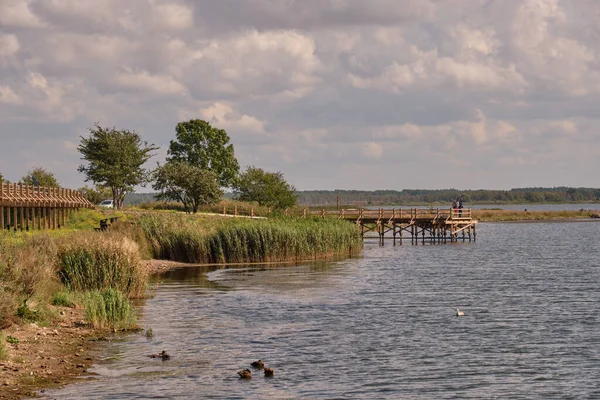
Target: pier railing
x: 29, y: 207
x: 387, y: 214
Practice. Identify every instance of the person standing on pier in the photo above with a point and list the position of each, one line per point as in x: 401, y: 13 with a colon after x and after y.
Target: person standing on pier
x: 454, y: 207
x: 460, y: 206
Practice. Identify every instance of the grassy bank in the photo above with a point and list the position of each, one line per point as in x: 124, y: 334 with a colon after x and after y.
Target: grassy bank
x: 512, y: 215
x: 41, y: 272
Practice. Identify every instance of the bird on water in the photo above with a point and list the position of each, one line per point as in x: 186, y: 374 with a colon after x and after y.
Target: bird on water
x: 258, y: 364
x: 245, y: 374
x: 459, y: 313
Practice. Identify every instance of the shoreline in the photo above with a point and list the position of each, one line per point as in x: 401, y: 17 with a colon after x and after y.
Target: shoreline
x: 51, y: 357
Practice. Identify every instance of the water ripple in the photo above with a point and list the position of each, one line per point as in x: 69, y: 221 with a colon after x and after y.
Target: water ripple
x: 381, y: 326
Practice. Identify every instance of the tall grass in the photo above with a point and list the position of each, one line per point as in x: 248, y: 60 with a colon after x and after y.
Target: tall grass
x: 27, y: 275
x: 3, y: 351
x: 202, y: 240
x: 109, y: 309
x: 96, y: 261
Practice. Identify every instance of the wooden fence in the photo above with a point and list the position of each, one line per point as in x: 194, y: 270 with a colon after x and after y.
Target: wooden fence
x: 27, y: 207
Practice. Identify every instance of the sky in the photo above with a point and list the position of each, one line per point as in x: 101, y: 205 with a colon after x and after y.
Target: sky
x: 335, y: 94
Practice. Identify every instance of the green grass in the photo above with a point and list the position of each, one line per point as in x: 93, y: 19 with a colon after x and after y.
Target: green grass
x: 97, y: 260
x: 203, y: 240
x: 3, y: 351
x: 109, y: 309
x: 62, y: 299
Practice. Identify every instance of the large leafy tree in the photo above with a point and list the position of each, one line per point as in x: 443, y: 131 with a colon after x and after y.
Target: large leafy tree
x: 187, y: 183
x: 115, y: 159
x: 38, y: 176
x: 206, y: 147
x: 268, y: 189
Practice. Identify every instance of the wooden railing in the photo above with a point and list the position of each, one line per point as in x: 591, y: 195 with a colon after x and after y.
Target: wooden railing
x: 386, y: 214
x: 29, y: 207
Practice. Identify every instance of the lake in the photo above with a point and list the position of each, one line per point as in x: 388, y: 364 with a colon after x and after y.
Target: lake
x: 381, y: 326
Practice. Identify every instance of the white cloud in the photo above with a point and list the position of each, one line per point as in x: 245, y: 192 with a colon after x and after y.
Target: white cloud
x: 372, y: 150
x: 306, y: 86
x: 173, y: 16
x: 17, y: 13
x: 146, y: 82
x: 9, y: 47
x: 222, y: 115
x: 8, y: 96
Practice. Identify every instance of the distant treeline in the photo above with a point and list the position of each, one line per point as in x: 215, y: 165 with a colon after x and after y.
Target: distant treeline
x: 418, y: 196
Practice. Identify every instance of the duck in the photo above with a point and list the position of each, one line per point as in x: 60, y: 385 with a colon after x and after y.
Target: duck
x: 245, y: 374
x: 459, y: 313
x: 258, y: 364
x: 163, y: 354
x: 269, y: 372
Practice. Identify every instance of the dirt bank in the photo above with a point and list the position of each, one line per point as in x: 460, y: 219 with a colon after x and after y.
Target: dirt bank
x: 46, y: 357
x: 53, y: 356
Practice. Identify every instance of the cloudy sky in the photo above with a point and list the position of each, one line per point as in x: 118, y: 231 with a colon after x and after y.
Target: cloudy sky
x: 336, y: 94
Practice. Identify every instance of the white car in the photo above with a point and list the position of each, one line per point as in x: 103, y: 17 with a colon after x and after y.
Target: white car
x: 106, y: 204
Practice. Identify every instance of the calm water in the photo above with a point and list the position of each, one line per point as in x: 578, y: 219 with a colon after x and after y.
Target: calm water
x: 381, y: 326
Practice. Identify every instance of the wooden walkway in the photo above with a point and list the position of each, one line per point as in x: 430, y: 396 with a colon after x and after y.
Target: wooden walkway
x: 26, y: 207
x: 432, y: 225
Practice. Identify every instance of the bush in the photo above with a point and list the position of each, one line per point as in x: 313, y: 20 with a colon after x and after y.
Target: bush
x: 109, y: 309
x: 96, y: 261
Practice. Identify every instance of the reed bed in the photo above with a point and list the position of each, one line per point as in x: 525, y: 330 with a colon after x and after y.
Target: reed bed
x: 96, y: 261
x: 206, y: 240
x: 109, y: 309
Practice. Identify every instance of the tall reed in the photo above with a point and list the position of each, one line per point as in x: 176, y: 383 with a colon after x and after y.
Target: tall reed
x: 109, y: 309
x: 202, y: 240
x: 96, y: 261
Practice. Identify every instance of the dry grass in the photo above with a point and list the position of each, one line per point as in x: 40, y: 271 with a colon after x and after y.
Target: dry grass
x: 512, y: 215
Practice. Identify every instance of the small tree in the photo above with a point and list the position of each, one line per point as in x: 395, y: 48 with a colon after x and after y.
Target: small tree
x: 38, y: 176
x: 189, y: 184
x: 96, y: 194
x: 115, y: 159
x: 203, y: 146
x: 266, y: 188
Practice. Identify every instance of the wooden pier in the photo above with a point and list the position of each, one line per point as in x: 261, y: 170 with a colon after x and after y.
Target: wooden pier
x: 26, y: 207
x: 425, y: 225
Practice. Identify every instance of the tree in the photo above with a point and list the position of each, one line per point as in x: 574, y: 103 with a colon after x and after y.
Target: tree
x: 38, y: 176
x: 266, y: 188
x: 96, y: 194
x: 199, y: 144
x: 188, y: 184
x: 115, y: 159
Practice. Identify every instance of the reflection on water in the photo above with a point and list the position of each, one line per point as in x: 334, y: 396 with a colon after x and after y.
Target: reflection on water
x: 380, y: 326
